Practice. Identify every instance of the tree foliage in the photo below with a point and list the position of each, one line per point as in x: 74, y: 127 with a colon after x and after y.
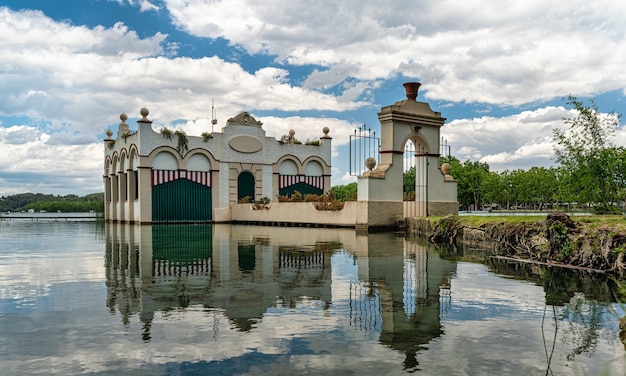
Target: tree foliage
x: 346, y: 192
x: 592, y: 166
x: 52, y: 203
x: 408, y: 180
x: 478, y: 187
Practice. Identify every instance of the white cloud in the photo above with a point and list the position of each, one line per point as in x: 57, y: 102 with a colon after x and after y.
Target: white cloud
x: 85, y: 75
x: 517, y: 141
x: 30, y: 163
x: 75, y: 84
x: 506, y: 53
x: 344, y: 179
x: 144, y: 5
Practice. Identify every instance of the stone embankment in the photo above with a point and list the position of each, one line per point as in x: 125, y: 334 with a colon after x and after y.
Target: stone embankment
x: 556, y: 241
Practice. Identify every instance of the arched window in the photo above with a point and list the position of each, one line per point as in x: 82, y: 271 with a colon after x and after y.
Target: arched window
x: 313, y: 168
x: 288, y: 167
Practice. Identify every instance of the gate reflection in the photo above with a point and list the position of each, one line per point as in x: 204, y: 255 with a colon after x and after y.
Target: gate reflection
x: 400, y: 290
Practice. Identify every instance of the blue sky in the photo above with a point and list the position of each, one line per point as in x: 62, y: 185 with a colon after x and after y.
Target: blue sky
x: 499, y: 71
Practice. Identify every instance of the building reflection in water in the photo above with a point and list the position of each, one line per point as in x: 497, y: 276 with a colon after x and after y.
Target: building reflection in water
x: 401, y: 291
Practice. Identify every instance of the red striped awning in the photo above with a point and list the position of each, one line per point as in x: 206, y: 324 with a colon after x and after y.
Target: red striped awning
x: 285, y: 181
x: 165, y: 176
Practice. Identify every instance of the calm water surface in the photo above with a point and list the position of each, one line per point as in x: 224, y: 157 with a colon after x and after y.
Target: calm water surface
x: 89, y: 298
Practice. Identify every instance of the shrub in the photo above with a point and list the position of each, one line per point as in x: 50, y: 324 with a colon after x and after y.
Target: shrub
x: 296, y: 196
x: 245, y: 200
x: 263, y: 203
x: 167, y: 133
x: 328, y: 201
x: 311, y: 197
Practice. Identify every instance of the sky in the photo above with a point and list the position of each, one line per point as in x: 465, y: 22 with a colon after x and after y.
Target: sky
x: 499, y: 71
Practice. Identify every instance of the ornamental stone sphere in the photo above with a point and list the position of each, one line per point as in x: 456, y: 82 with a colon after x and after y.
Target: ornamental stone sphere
x: 291, y: 132
x: 370, y: 163
x: 325, y: 130
x: 144, y: 112
x: 123, y: 117
x: 109, y: 133
x: 445, y: 168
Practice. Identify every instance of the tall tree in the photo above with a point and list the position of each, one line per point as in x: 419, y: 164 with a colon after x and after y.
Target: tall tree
x: 472, y: 182
x: 346, y: 192
x: 586, y: 151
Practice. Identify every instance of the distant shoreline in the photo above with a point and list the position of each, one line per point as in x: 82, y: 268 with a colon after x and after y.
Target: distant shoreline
x: 89, y: 216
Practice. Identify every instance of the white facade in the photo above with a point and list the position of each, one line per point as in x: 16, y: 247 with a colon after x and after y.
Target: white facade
x: 163, y: 177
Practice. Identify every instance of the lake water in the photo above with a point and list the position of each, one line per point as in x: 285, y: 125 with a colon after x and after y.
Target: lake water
x: 89, y: 298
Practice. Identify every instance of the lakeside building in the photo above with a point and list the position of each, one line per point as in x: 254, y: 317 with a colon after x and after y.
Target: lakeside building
x: 152, y: 177
x: 170, y: 177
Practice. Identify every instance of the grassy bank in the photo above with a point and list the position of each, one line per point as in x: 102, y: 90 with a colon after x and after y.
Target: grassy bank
x: 594, y: 242
x: 616, y: 222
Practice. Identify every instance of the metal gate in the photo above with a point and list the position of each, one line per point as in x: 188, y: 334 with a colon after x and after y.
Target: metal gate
x: 181, y: 200
x: 363, y: 144
x: 416, y: 199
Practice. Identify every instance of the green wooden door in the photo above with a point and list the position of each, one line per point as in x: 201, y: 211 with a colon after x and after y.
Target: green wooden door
x: 181, y: 200
x: 245, y: 185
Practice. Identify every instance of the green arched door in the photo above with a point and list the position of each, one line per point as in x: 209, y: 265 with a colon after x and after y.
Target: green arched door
x: 245, y: 185
x: 181, y: 200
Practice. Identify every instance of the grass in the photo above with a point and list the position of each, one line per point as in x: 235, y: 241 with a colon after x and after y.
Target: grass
x: 610, y: 221
x: 616, y: 222
x: 478, y: 220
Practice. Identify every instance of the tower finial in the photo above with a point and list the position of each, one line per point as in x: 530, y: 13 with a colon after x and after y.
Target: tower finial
x: 411, y: 89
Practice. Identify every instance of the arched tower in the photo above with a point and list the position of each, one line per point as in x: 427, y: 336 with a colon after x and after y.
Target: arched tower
x: 408, y: 121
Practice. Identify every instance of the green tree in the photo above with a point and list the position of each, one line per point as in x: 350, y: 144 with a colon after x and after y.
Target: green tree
x: 346, y: 192
x: 472, y: 182
x: 495, y: 190
x: 408, y: 180
x: 541, y: 186
x: 39, y: 201
x: 592, y: 164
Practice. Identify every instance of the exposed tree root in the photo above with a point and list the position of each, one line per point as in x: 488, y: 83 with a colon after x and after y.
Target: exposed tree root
x: 557, y: 241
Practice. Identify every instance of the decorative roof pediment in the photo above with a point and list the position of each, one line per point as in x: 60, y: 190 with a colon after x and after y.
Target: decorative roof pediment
x: 243, y: 118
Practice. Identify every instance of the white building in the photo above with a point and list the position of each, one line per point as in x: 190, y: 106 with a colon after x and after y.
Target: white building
x: 165, y: 177
x: 153, y: 177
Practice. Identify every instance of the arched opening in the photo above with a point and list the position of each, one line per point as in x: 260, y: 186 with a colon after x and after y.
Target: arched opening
x: 133, y: 178
x: 123, y: 178
x: 164, y: 160
x: 245, y: 185
x: 181, y: 195
x: 288, y: 167
x: 198, y: 162
x: 107, y: 184
x: 312, y: 182
x: 415, y: 177
x: 313, y: 168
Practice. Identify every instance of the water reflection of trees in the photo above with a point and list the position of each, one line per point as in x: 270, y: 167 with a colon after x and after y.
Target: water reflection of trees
x: 578, y: 302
